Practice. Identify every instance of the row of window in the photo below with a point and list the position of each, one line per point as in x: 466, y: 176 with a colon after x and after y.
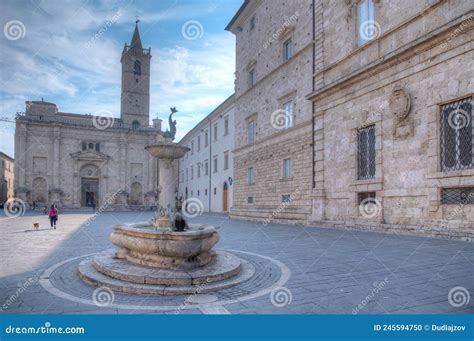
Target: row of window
x: 205, y: 192
x: 283, y: 119
x: 286, y: 172
x: 456, y: 140
x: 215, y: 136
x: 367, y: 29
x: 204, y: 167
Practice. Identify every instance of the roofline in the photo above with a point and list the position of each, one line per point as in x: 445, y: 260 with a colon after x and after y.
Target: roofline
x: 236, y: 15
x: 224, y: 105
x: 7, y: 156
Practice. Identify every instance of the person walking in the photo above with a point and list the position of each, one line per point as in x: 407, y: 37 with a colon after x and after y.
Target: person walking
x: 53, y: 216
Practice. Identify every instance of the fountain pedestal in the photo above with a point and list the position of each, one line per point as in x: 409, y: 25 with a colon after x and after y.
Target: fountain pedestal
x: 166, y: 151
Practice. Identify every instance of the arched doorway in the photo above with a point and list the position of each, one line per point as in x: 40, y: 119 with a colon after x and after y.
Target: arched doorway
x: 225, y: 198
x: 136, y: 194
x: 39, y: 191
x: 90, y: 175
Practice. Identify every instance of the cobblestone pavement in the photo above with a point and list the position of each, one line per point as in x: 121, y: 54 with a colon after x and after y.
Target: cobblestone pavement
x: 330, y: 271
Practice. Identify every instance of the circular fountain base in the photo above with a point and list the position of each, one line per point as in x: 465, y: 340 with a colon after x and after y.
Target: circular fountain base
x: 224, y: 271
x: 156, y: 261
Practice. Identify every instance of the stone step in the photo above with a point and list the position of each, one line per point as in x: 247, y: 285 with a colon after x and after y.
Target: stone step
x: 222, y: 266
x: 91, y: 276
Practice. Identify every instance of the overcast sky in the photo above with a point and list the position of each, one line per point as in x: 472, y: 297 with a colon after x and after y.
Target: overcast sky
x: 68, y: 52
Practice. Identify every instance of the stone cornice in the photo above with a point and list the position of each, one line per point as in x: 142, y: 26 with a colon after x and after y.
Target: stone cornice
x: 386, y: 61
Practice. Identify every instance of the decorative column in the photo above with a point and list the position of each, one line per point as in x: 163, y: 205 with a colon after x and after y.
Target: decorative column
x: 166, y: 196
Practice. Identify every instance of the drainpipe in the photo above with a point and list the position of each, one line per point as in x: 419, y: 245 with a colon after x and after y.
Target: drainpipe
x: 312, y: 102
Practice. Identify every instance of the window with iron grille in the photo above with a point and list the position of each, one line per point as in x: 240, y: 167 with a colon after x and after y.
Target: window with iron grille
x: 365, y: 197
x: 457, y: 196
x: 249, y: 200
x: 366, y: 153
x: 457, y: 131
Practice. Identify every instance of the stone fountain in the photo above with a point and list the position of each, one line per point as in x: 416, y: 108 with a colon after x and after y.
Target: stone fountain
x: 154, y: 258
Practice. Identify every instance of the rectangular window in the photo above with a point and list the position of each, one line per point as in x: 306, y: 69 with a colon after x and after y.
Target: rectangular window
x: 251, y: 78
x: 226, y: 160
x: 187, y: 175
x: 250, y: 176
x: 457, y: 135
x: 249, y: 200
x: 206, y: 167
x: 251, y: 132
x: 252, y: 23
x: 214, y: 162
x: 285, y: 198
x: 288, y: 108
x: 182, y: 176
x: 215, y: 132
x: 199, y: 142
x: 206, y: 139
x: 367, y: 28
x: 199, y: 170
x: 287, y: 168
x: 192, y: 172
x: 205, y: 192
x: 366, y: 153
x: 457, y: 196
x: 192, y: 147
x: 226, y: 126
x: 365, y: 198
x: 288, y: 49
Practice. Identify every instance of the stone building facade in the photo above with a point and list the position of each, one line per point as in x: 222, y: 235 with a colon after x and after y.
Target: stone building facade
x: 6, y: 178
x: 273, y: 121
x: 206, y: 171
x: 382, y: 130
x: 76, y: 160
x: 393, y: 121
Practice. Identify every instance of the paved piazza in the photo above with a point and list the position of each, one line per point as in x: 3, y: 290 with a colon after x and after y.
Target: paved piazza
x: 297, y: 270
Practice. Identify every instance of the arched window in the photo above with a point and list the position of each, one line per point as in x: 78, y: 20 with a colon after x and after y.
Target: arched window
x: 135, y: 125
x: 137, y: 67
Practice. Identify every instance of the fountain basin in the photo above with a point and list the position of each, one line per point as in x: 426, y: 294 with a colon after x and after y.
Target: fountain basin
x: 167, y: 150
x: 163, y: 248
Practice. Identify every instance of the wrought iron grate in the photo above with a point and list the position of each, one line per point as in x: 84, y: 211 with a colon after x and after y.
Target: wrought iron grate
x: 457, y: 196
x: 457, y: 131
x: 366, y: 153
x: 366, y: 197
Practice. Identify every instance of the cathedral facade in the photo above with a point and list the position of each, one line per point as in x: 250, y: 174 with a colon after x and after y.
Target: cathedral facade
x: 76, y: 160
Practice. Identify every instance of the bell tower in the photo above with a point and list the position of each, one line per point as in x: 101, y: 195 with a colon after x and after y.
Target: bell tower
x: 135, y: 99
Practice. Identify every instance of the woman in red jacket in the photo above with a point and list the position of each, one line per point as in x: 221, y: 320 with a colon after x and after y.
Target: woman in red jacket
x: 53, y: 216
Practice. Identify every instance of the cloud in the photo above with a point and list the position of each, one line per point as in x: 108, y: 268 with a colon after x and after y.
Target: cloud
x: 71, y: 56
